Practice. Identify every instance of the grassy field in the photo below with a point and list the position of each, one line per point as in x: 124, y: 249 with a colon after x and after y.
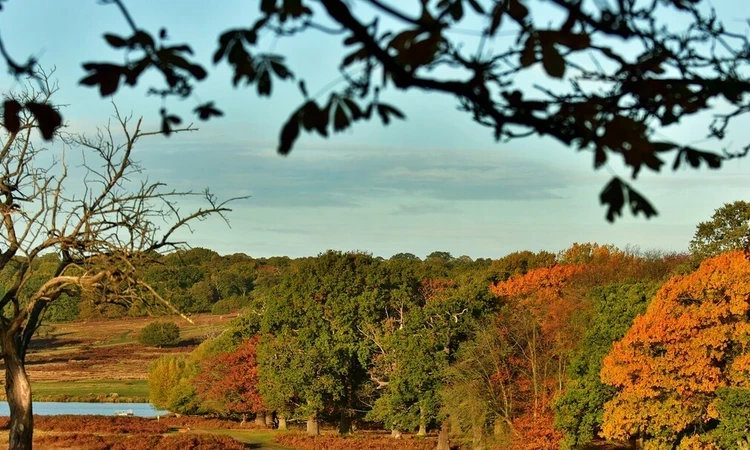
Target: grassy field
x: 91, y: 360
x: 121, y: 390
x: 257, y: 439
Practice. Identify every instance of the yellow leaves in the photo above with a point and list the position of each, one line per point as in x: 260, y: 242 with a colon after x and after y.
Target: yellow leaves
x: 692, y: 340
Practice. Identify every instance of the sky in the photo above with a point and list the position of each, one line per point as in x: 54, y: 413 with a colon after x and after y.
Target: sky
x: 436, y: 181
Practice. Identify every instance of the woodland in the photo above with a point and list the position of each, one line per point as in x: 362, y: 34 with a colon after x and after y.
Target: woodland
x: 534, y: 350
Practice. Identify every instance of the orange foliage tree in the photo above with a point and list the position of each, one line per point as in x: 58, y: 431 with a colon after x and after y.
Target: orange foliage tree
x: 228, y: 382
x: 539, y: 323
x: 692, y: 340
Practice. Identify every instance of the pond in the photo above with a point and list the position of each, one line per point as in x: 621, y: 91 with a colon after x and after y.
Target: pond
x: 78, y: 408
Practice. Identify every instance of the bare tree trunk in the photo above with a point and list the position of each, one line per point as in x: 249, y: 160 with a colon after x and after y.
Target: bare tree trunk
x: 313, y: 426
x: 269, y: 419
x: 18, y: 391
x: 443, y: 441
x: 395, y: 434
x: 282, y: 423
x: 244, y: 418
x: 422, y: 423
x: 260, y: 418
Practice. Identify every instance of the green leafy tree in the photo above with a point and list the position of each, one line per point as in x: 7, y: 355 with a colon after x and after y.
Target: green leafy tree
x: 728, y: 229
x: 579, y: 411
x: 733, y: 408
x: 314, y: 312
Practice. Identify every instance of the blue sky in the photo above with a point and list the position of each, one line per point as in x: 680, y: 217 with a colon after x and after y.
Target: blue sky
x: 434, y: 182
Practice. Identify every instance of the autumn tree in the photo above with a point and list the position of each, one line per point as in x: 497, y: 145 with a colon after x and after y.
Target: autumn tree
x: 171, y: 378
x: 101, y: 224
x: 691, y: 342
x: 228, y: 382
x: 728, y: 229
x: 540, y: 323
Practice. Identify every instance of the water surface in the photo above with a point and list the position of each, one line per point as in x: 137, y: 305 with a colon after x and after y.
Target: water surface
x: 80, y: 408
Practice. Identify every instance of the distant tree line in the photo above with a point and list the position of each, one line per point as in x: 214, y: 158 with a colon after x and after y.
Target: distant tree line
x: 485, y: 350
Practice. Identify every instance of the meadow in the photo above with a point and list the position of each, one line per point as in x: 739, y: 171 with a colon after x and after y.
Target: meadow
x: 101, y: 360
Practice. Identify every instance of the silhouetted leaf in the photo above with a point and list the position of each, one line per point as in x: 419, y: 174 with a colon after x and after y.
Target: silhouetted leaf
x: 106, y: 76
x: 289, y: 135
x: 136, y: 69
x: 614, y: 198
x: 355, y: 112
x: 553, y: 62
x: 663, y: 146
x: 170, y: 57
x: 167, y: 120
x: 294, y: 8
x: 695, y: 157
x: 638, y: 204
x: 517, y: 10
x: 142, y: 39
x: 340, y: 119
x: 163, y: 33
x: 528, y: 55
x: 207, y: 110
x: 264, y: 84
x: 386, y: 111
x: 280, y: 69
x: 457, y: 10
x: 314, y: 118
x: 600, y: 157
x: 574, y: 41
x: 268, y: 6
x: 47, y: 118
x: 116, y: 41
x: 11, y: 108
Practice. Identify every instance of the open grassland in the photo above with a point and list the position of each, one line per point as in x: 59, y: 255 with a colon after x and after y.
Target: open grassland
x: 128, y: 391
x: 101, y: 360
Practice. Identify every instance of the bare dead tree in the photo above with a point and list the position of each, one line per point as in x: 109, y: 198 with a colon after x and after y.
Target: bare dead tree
x: 102, y: 229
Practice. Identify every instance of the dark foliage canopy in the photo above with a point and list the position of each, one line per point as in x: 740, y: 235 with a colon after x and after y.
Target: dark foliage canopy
x: 619, y: 71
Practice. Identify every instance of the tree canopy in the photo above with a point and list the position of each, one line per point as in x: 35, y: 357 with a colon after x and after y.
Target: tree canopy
x: 728, y: 229
x: 618, y: 73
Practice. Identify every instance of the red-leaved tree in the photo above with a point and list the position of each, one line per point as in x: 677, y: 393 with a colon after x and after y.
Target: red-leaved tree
x: 228, y: 382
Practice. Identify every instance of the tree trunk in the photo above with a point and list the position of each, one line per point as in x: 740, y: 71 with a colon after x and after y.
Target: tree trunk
x: 313, y: 426
x: 269, y: 419
x: 443, y: 442
x: 422, y: 423
x: 345, y: 422
x: 244, y: 418
x: 282, y: 423
x: 395, y: 434
x: 18, y: 391
x: 260, y: 418
x: 345, y: 419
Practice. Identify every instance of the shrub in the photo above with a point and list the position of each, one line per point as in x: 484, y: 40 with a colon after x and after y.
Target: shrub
x: 157, y: 334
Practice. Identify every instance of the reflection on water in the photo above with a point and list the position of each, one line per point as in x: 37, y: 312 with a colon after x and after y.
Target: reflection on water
x: 78, y: 408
